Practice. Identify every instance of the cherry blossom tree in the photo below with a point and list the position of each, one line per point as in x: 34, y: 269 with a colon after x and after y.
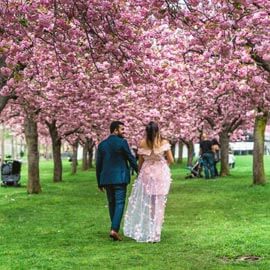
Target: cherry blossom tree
x: 233, y: 36
x: 74, y: 66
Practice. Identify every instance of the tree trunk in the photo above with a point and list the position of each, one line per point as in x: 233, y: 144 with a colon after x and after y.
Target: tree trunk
x: 90, y: 156
x: 12, y: 147
x: 258, y: 149
x: 74, y: 157
x: 173, y: 148
x: 56, y: 149
x: 46, y: 152
x: 31, y: 136
x: 180, y: 153
x: 22, y: 149
x: 190, y: 147
x: 16, y: 148
x: 3, y: 99
x: 3, y: 102
x: 58, y: 168
x: 85, y: 156
x: 2, y: 143
x: 224, y: 139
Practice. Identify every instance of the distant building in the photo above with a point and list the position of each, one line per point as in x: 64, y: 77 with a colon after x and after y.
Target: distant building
x: 246, y: 147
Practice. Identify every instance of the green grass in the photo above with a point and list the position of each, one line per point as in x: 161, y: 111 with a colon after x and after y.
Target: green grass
x: 208, y: 223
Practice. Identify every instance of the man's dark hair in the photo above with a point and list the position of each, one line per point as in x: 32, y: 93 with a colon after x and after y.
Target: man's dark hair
x: 115, y: 125
x: 215, y: 142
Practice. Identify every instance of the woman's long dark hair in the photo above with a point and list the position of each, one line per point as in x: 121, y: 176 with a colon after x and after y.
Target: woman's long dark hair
x: 152, y: 135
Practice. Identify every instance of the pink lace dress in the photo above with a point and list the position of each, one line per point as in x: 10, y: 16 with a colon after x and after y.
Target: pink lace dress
x: 145, y: 211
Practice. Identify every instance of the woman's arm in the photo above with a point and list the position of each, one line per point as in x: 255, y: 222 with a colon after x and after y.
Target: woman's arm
x: 141, y: 160
x: 215, y: 148
x: 132, y: 160
x: 169, y: 157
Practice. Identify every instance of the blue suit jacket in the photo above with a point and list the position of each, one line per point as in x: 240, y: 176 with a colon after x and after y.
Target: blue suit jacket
x: 113, y: 156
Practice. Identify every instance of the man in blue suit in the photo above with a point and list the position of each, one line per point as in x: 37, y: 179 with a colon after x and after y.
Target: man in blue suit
x: 113, y: 173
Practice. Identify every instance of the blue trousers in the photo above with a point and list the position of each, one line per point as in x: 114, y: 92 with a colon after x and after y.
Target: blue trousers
x: 116, y: 195
x: 208, y: 165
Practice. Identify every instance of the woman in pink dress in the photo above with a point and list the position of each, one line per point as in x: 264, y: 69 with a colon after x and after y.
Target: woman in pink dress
x: 146, y: 205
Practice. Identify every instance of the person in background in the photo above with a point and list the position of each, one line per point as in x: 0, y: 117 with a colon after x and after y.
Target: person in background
x: 207, y: 157
x: 216, y: 151
x: 231, y: 159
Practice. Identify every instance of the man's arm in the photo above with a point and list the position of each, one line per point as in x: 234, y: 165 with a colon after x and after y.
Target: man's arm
x: 132, y: 160
x: 98, y: 165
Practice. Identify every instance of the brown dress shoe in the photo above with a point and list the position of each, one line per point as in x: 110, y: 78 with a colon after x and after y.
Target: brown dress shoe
x: 115, y: 236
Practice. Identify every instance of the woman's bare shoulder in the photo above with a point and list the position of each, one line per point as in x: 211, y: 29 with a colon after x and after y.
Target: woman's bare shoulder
x: 164, y: 141
x: 143, y: 144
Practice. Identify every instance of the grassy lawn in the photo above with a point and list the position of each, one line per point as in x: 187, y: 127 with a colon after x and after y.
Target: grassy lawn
x: 208, y: 224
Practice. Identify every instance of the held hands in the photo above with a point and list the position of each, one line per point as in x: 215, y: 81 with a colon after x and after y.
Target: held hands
x: 102, y: 189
